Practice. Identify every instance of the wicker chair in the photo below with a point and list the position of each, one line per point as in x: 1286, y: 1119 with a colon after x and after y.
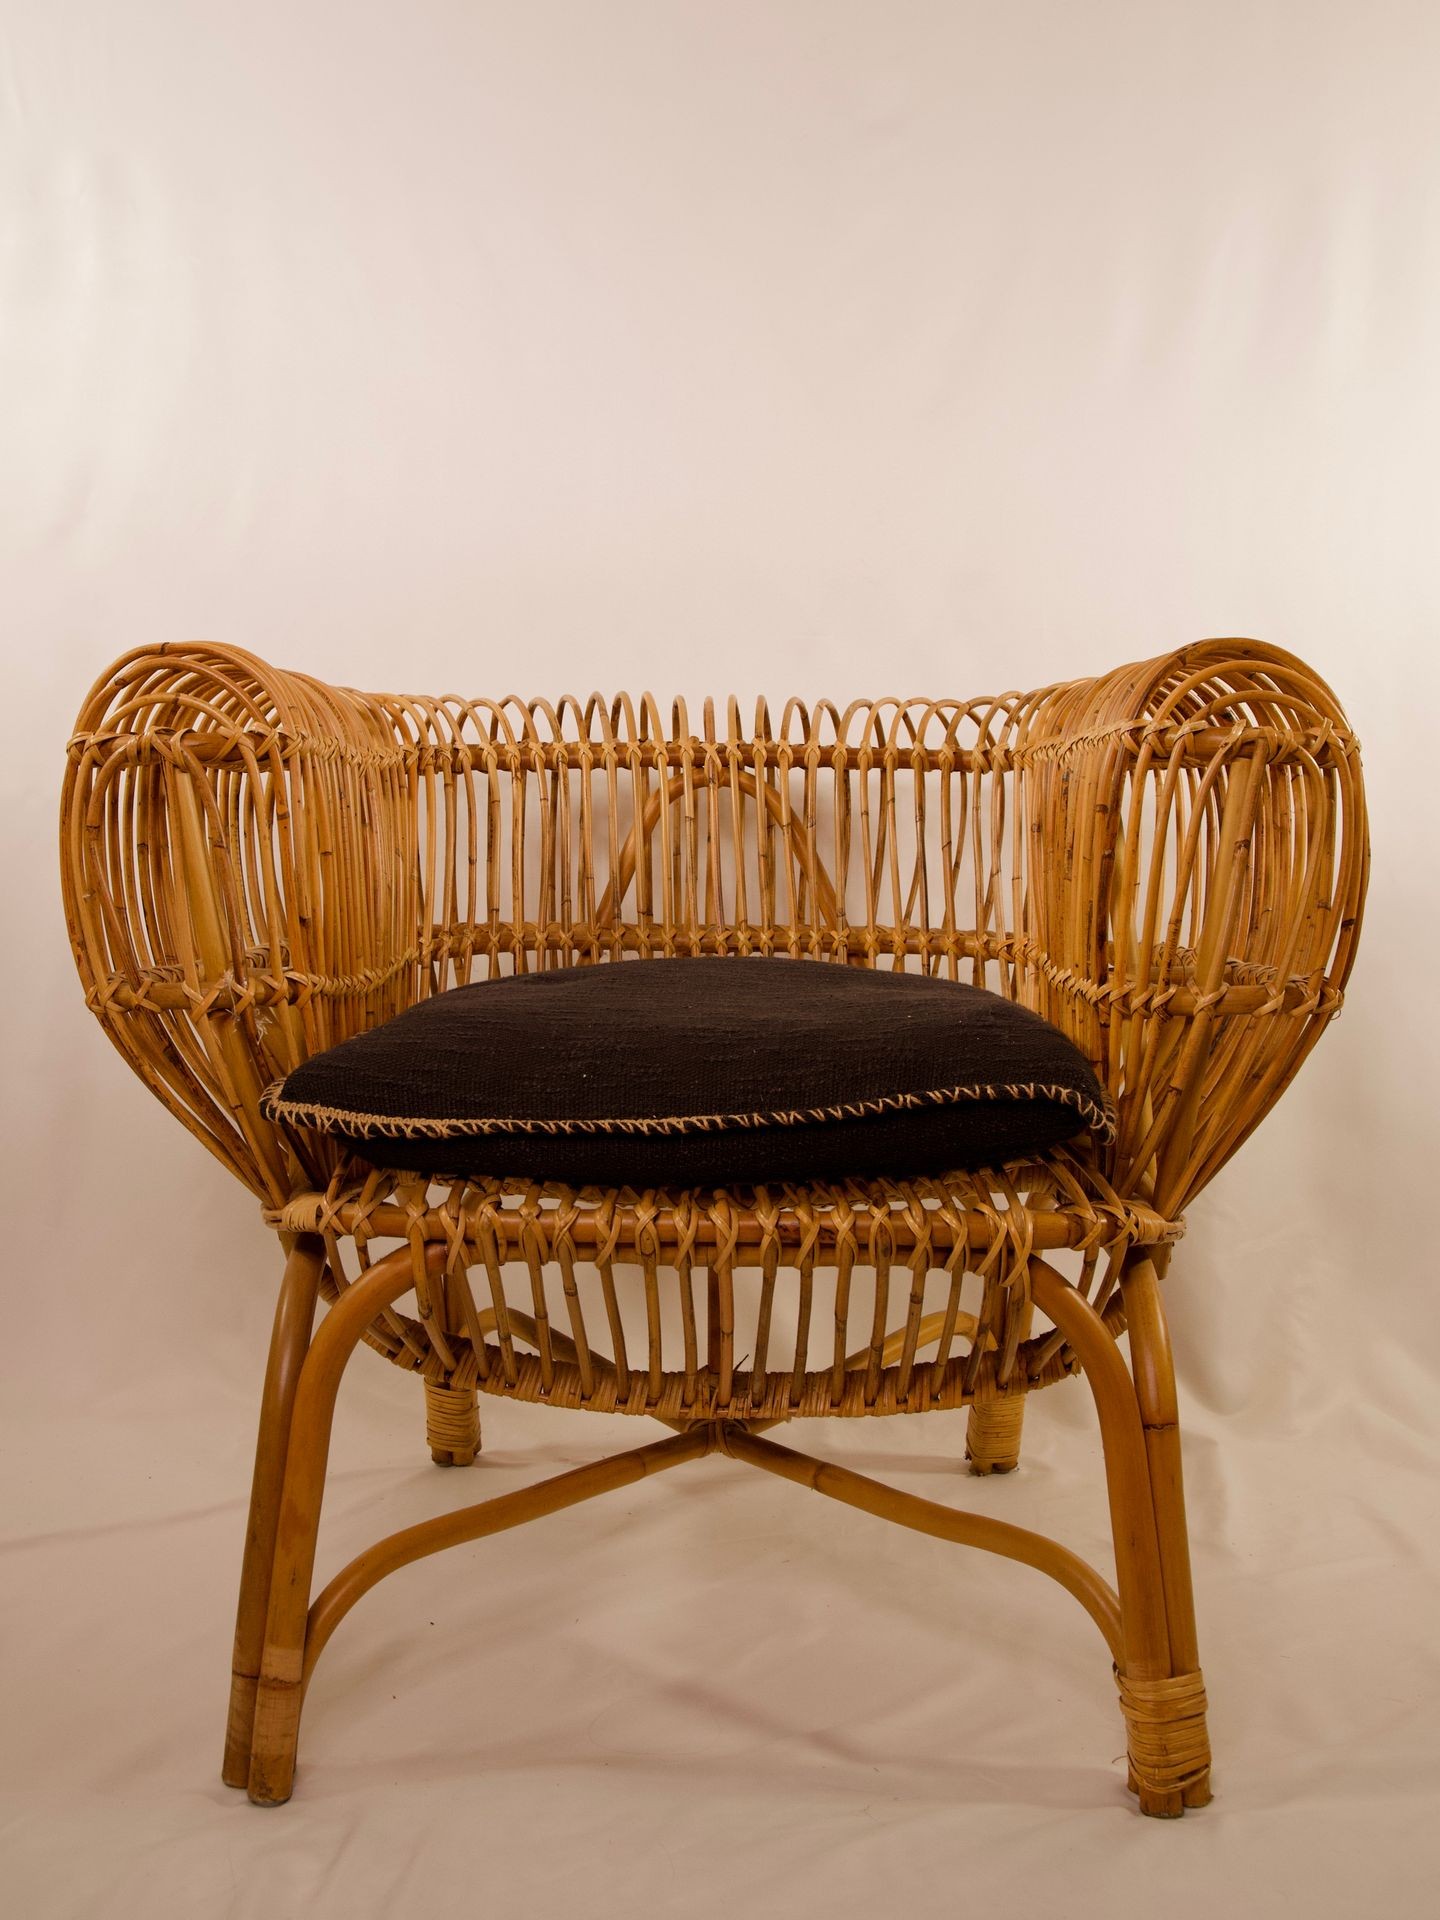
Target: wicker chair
x: 1167, y: 861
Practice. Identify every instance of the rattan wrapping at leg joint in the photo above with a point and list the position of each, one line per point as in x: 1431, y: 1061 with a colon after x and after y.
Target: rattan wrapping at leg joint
x: 452, y: 1424
x: 1169, y: 1746
x: 992, y: 1434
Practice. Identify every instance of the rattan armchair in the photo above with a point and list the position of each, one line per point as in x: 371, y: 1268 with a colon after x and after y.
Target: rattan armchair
x: 1167, y: 861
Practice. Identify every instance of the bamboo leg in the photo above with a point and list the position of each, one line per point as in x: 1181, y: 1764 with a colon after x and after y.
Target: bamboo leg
x: 1181, y: 1724
x: 278, y: 1699
x: 993, y: 1427
x: 452, y: 1414
x: 452, y: 1424
x: 1162, y: 1693
x: 290, y: 1336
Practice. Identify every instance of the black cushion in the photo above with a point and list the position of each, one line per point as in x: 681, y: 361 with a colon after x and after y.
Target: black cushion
x: 701, y: 1072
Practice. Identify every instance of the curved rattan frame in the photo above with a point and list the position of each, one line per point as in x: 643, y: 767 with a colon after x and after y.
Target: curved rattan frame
x: 1168, y: 861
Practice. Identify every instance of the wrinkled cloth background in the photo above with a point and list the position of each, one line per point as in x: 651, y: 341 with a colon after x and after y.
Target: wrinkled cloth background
x: 790, y: 347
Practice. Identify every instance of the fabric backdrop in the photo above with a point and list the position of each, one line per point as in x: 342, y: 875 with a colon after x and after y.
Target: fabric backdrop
x: 817, y: 346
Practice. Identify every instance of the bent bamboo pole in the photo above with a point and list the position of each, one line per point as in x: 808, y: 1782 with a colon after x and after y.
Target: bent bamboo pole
x: 1127, y: 1473
x: 942, y: 1523
x: 277, y: 1706
x: 290, y: 1337
x: 1154, y: 1372
x: 487, y: 1517
x: 1048, y: 1229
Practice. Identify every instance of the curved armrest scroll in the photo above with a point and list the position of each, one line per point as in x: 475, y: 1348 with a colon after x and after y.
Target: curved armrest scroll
x: 225, y: 920
x: 1195, y: 895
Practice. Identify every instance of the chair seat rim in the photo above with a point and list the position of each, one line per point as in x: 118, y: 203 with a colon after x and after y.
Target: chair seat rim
x: 935, y: 1214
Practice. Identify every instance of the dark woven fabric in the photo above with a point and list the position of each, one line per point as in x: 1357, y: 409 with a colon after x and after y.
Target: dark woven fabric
x: 699, y: 1072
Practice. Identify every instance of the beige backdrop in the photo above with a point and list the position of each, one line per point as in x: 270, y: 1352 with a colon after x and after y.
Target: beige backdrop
x: 794, y: 347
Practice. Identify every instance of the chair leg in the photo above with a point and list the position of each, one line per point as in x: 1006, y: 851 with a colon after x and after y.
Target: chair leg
x: 992, y: 1434
x: 1168, y: 1726
x: 452, y: 1424
x: 1162, y: 1692
x: 290, y: 1336
x: 993, y: 1428
x: 280, y: 1694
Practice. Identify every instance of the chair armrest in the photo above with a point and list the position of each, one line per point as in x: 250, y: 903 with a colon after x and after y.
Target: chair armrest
x: 1194, y: 894
x: 240, y: 882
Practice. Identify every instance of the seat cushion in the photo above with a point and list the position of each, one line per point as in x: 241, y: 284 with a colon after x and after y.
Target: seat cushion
x: 701, y: 1072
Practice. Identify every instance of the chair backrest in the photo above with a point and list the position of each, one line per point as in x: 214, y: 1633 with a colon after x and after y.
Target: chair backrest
x: 879, y: 835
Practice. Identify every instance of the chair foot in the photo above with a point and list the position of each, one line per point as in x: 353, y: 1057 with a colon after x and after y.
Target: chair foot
x: 452, y: 1424
x: 1169, y: 1747
x: 992, y: 1434
x: 239, y: 1729
x: 277, y: 1732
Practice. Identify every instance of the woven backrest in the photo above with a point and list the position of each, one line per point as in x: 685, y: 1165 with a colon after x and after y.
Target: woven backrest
x: 1167, y: 861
